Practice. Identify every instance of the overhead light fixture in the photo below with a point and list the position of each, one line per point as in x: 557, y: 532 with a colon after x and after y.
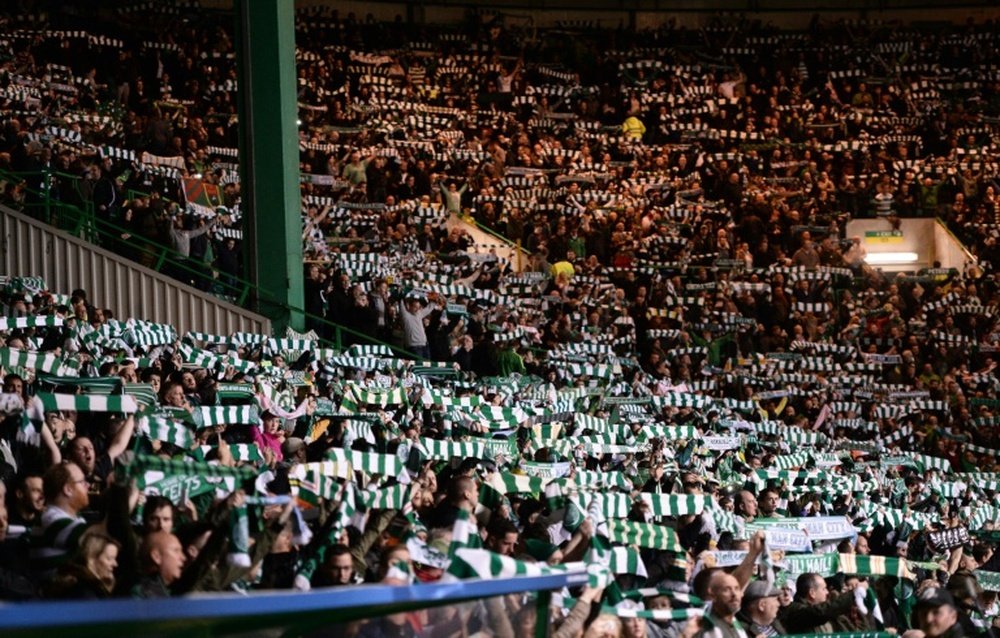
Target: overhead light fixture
x: 891, y: 258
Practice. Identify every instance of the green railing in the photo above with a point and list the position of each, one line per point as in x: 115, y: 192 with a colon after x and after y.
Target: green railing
x: 82, y: 222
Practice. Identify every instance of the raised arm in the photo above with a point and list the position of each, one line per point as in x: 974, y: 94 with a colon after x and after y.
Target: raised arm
x: 120, y: 442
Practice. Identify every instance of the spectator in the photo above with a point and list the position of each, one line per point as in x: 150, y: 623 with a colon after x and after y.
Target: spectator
x: 813, y: 611
x: 56, y: 537
x: 759, y: 612
x: 162, y: 558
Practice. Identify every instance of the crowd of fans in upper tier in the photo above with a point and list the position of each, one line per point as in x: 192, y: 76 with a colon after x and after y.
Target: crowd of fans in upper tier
x: 692, y: 380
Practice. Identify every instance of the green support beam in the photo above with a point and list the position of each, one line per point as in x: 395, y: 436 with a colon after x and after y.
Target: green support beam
x: 269, y: 157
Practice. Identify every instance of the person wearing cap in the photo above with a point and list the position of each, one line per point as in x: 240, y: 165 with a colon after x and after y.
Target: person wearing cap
x: 937, y: 614
x: 967, y: 593
x: 759, y: 612
x: 813, y: 611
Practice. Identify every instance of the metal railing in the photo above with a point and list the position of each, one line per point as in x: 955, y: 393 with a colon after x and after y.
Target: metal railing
x: 82, y: 222
x: 319, y: 612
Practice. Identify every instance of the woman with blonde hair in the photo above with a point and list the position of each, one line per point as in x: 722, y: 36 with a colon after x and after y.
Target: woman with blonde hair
x: 91, y: 574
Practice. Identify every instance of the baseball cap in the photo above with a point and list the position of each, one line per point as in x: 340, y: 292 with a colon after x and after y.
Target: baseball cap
x: 934, y: 597
x: 759, y: 589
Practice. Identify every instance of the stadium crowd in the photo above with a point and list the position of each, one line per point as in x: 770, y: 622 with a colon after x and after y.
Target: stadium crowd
x: 697, y: 387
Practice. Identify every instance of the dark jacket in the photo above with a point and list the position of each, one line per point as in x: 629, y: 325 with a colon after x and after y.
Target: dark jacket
x: 150, y: 586
x: 77, y: 582
x: 802, y: 618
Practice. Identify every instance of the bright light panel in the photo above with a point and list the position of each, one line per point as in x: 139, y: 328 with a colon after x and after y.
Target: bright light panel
x: 885, y: 259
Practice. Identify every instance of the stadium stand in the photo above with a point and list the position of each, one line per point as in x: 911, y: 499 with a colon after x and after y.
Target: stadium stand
x: 696, y: 386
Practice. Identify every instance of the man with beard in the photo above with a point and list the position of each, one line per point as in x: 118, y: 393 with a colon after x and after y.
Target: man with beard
x: 56, y: 535
x: 726, y: 595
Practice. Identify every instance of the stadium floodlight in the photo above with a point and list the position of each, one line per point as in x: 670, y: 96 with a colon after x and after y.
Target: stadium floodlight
x: 891, y: 258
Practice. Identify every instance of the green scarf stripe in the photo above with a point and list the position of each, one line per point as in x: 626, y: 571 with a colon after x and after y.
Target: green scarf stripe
x: 609, y: 505
x: 315, y: 481
x: 88, y: 403
x: 506, y: 483
x: 830, y: 564
x: 147, y: 335
x: 143, y: 462
x: 544, y: 470
x: 789, y: 461
x: 880, y: 515
x: 235, y: 391
x: 166, y: 430
x: 792, y: 435
x: 199, y: 358
x: 432, y: 449
x: 33, y: 321
x: 644, y: 535
x: 380, y: 397
x: 143, y: 393
x: 370, y: 462
x: 49, y: 363
x: 617, y: 560
x: 369, y: 350
x: 241, y: 452
x: 668, y: 432
x: 674, y: 505
x: 503, y: 417
x: 485, y: 565
x: 446, y: 401
x: 873, y: 565
x: 240, y: 365
x: 316, y: 487
x: 205, y: 338
x: 331, y: 364
x: 654, y: 614
x: 31, y: 285
x: 277, y: 346
x: 393, y: 498
x: 620, y: 432
x: 464, y: 533
x: 227, y: 415
x: 927, y: 462
x: 595, y: 479
x: 247, y: 339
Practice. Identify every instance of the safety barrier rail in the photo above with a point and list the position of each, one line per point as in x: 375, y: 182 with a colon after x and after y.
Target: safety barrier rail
x: 320, y: 612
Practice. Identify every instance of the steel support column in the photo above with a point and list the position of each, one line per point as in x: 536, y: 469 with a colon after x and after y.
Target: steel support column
x: 269, y: 152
